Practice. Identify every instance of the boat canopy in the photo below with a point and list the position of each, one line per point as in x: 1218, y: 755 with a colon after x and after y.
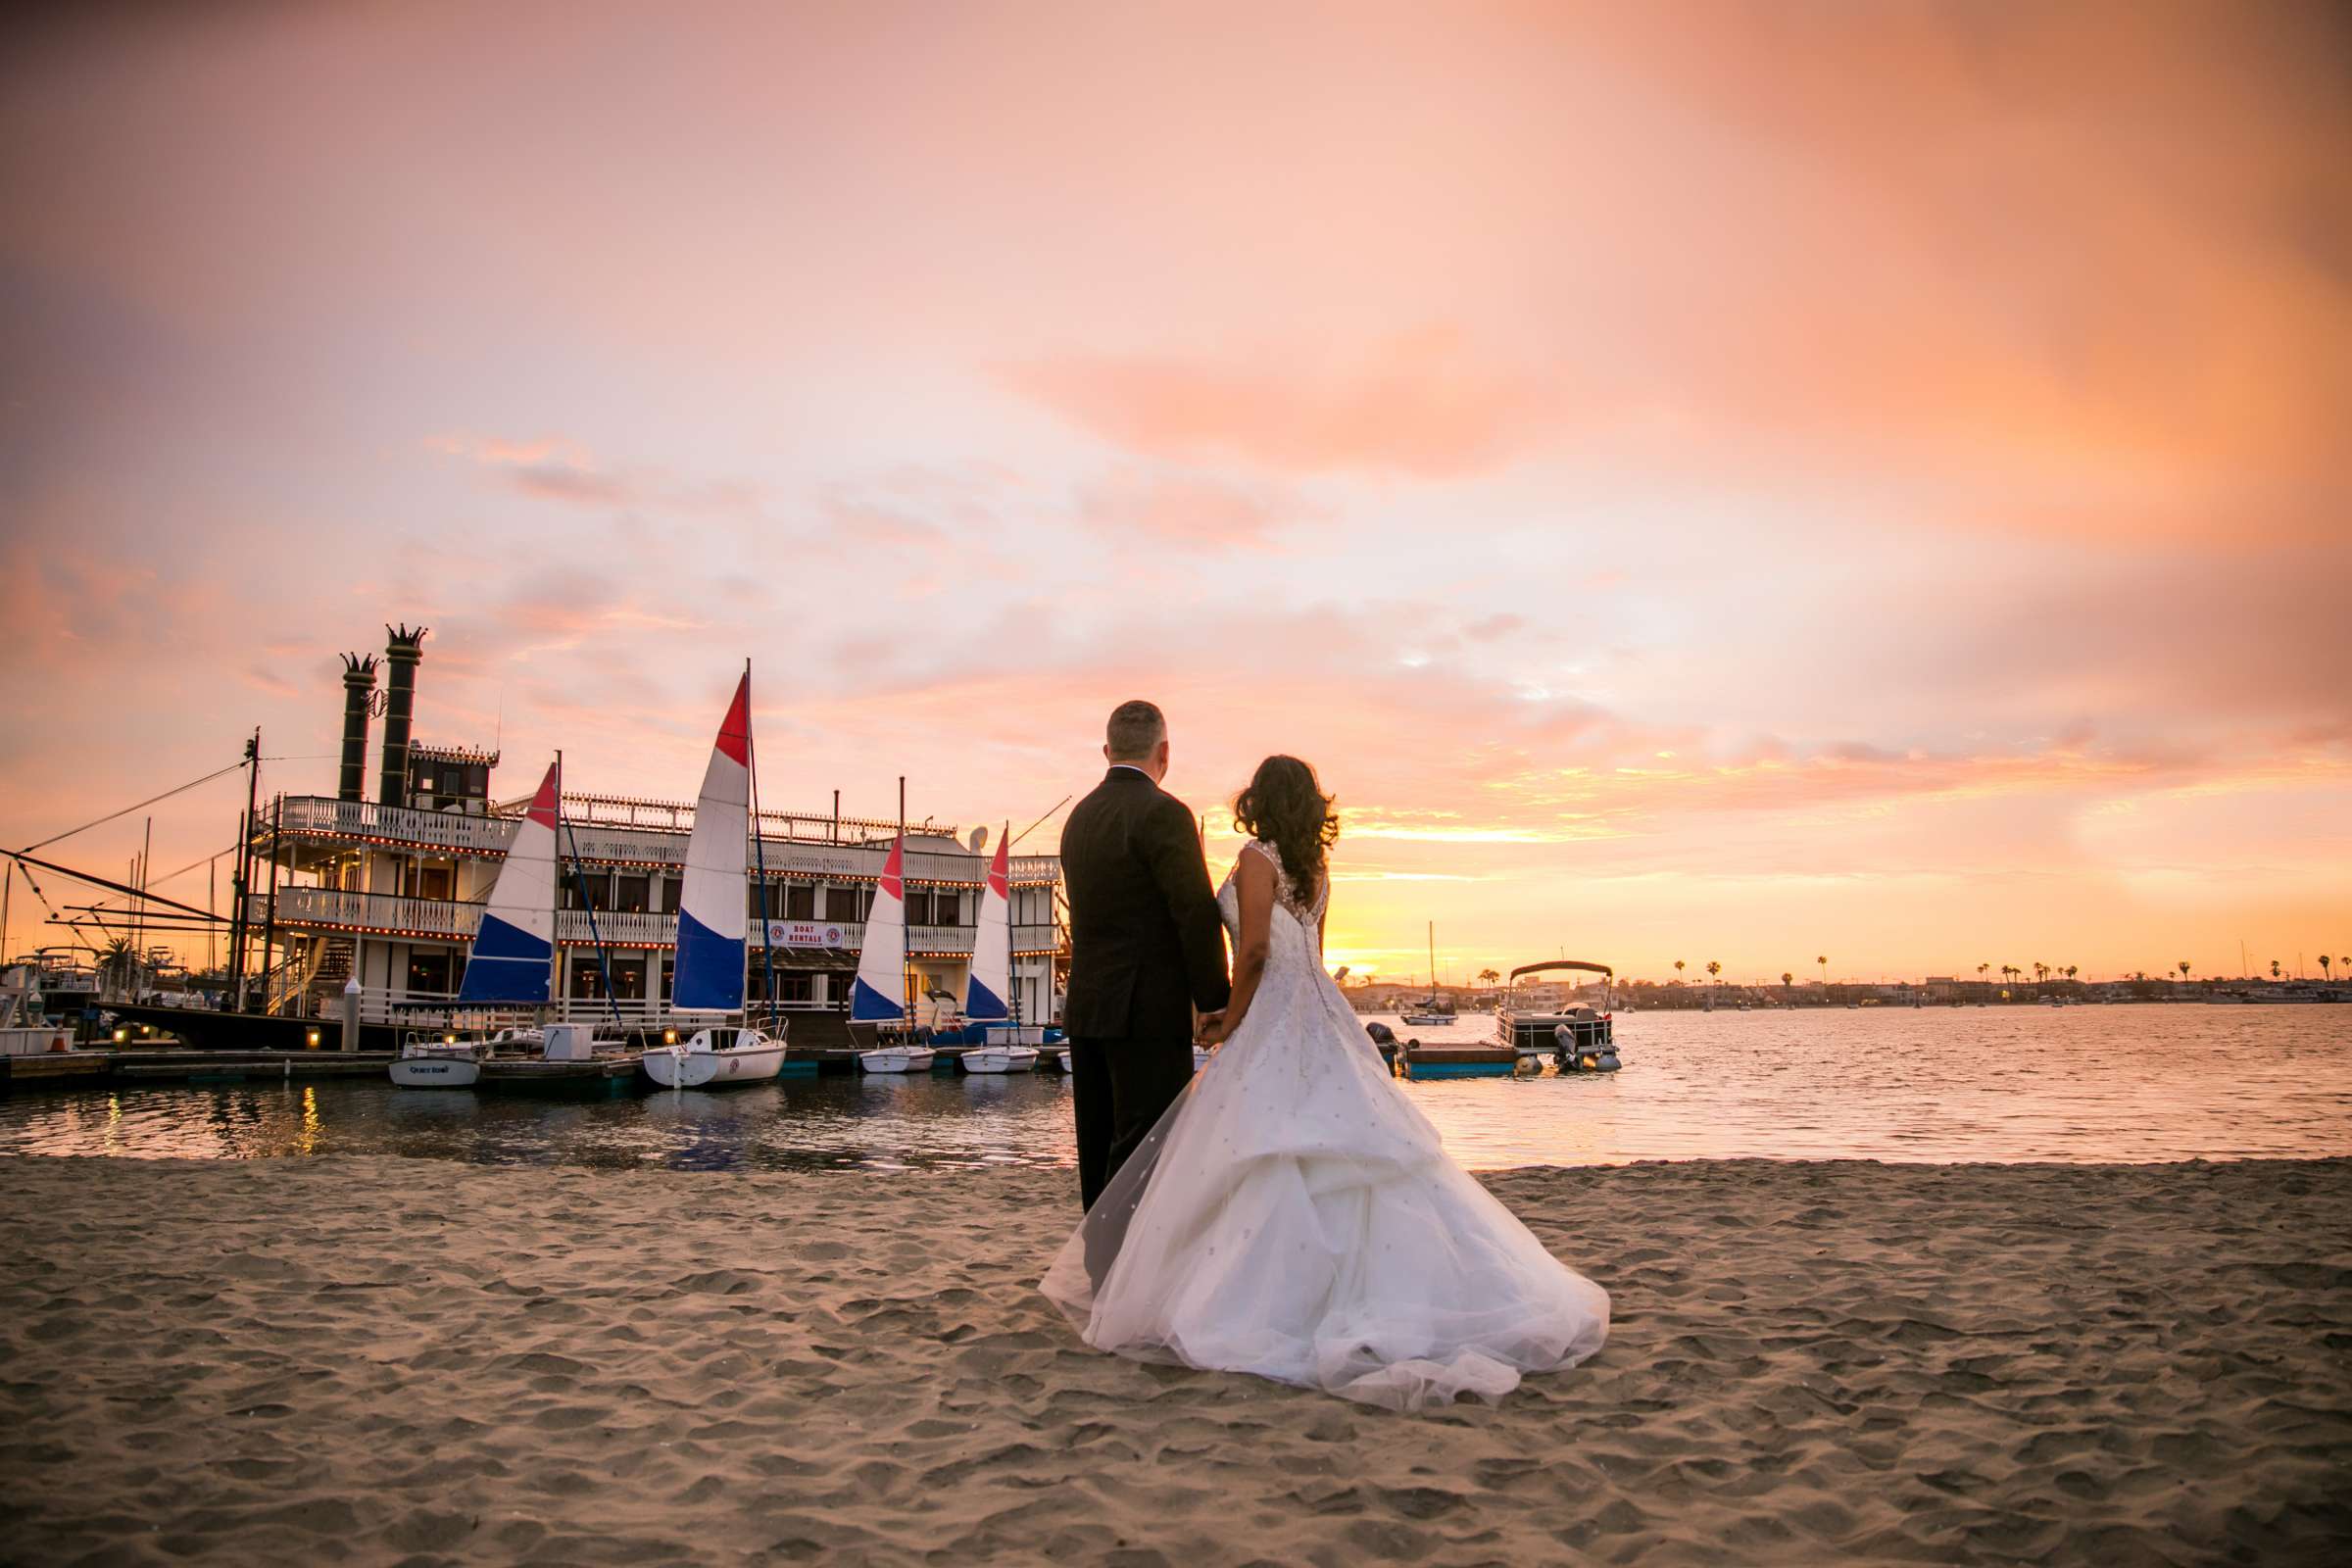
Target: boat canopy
x: 1562, y: 964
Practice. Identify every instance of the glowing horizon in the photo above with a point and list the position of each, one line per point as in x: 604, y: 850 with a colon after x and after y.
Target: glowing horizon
x: 1700, y: 483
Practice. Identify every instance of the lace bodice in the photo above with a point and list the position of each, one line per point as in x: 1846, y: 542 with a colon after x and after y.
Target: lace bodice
x: 1306, y: 917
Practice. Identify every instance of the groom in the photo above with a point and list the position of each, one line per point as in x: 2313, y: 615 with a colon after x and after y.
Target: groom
x: 1146, y: 947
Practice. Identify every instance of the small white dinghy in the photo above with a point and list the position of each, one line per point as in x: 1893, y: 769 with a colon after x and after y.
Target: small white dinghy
x: 716, y: 1056
x: 438, y: 1061
x: 1000, y: 1059
x: 898, y: 1059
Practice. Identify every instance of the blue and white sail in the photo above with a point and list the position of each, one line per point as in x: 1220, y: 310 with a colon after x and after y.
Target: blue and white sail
x: 991, y: 982
x: 713, y: 906
x: 879, y: 995
x: 516, y: 945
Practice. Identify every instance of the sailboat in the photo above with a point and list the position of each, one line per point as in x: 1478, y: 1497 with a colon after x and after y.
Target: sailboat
x: 991, y: 979
x: 1430, y: 1017
x: 712, y: 919
x: 514, y: 950
x: 879, y: 995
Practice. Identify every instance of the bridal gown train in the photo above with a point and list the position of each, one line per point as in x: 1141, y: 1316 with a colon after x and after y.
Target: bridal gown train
x: 1296, y: 1217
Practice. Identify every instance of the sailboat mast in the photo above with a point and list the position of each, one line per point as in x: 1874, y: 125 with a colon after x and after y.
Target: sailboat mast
x: 905, y: 983
x: 566, y: 834
x: 751, y: 755
x: 1011, y: 976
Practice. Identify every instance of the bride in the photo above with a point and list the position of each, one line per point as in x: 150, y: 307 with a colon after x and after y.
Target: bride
x: 1293, y: 1216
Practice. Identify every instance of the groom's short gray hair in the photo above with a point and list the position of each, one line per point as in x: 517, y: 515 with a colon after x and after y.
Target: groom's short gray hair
x: 1135, y: 728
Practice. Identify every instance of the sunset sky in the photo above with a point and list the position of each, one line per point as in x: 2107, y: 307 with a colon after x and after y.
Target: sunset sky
x: 1703, y: 481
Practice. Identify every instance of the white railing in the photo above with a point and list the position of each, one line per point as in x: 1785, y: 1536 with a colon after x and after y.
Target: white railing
x: 326, y: 816
x: 336, y: 909
x: 488, y: 835
x: 312, y: 910
x: 618, y: 928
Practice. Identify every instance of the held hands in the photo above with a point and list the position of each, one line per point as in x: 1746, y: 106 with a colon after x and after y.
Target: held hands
x: 1210, y: 1030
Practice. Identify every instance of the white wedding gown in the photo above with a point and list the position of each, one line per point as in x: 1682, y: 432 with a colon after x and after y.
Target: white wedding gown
x: 1295, y: 1217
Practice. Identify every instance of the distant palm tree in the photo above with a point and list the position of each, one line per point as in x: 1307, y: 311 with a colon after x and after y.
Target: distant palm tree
x: 1824, y: 961
x: 1980, y: 968
x: 2070, y: 971
x: 1678, y: 971
x: 2184, y: 968
x: 1787, y: 979
x: 1714, y: 969
x: 1487, y: 977
x: 119, y: 966
x: 2323, y: 966
x: 2274, y: 968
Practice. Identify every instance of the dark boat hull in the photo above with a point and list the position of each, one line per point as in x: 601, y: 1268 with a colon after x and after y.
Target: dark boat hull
x: 251, y: 1031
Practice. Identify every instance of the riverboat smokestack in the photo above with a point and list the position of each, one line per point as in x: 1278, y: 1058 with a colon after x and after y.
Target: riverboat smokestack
x: 359, y: 695
x: 403, y: 652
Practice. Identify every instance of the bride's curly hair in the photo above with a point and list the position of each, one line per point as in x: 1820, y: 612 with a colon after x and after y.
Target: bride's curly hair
x: 1285, y: 805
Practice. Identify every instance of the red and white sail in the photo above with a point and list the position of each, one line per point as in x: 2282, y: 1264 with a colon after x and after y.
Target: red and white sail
x: 516, y: 945
x: 986, y: 993
x: 712, y: 906
x: 879, y: 994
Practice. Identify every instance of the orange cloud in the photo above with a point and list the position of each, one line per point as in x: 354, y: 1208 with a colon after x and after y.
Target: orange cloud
x: 1424, y: 403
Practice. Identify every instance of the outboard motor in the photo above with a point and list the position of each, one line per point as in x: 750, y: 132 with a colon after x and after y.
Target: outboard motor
x: 1570, y: 1057
x: 1381, y: 1033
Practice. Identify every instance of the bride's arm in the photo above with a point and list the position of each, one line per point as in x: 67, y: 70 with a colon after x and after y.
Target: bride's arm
x: 1253, y: 883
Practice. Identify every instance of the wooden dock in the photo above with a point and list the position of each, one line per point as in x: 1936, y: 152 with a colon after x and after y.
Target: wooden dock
x: 149, y: 1063
x: 81, y: 1069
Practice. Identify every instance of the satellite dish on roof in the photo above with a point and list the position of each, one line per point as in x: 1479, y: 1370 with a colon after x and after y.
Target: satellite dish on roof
x: 979, y: 838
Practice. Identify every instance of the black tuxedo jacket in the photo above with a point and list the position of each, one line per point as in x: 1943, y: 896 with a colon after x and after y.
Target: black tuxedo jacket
x: 1146, y: 945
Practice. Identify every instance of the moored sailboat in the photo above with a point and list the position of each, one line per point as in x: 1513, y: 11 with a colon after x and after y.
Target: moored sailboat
x: 513, y: 950
x: 991, y: 979
x: 879, y: 995
x: 712, y: 924
x: 1431, y: 1015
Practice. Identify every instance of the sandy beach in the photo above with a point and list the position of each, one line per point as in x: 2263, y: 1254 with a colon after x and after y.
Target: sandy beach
x: 373, y: 1360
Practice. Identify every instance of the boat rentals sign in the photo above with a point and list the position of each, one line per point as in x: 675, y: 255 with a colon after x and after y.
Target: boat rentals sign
x: 806, y: 933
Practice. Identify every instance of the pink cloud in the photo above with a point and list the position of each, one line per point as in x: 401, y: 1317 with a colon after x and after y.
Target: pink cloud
x: 1426, y: 405
x: 1158, y: 506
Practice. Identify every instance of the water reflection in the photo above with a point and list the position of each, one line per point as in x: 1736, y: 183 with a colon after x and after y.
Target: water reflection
x: 2090, y: 1084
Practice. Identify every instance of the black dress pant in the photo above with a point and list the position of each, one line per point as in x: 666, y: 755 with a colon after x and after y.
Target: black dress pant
x: 1121, y: 1088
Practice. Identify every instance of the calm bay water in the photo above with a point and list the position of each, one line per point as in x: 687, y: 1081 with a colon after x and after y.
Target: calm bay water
x: 2083, y: 1084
